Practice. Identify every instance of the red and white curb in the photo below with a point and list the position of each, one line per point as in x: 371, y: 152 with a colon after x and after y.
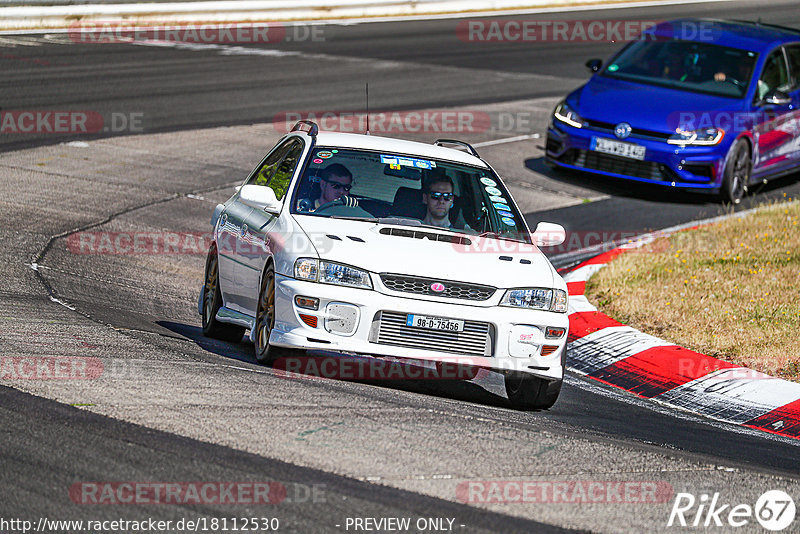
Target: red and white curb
x: 603, y: 349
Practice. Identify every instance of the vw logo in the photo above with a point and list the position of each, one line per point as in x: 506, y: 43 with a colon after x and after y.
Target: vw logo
x: 622, y: 130
x: 437, y: 287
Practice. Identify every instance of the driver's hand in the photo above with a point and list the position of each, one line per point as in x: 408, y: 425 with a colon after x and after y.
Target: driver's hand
x: 719, y: 77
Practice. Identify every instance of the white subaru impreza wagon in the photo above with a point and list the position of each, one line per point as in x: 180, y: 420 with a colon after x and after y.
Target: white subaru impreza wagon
x: 366, y: 245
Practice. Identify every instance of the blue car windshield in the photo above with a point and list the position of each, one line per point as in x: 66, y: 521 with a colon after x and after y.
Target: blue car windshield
x: 406, y: 190
x: 686, y: 65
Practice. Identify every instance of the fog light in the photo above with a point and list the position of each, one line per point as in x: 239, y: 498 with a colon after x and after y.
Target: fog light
x: 547, y: 350
x: 307, y: 303
x: 553, y: 332
x: 341, y: 318
x: 310, y: 320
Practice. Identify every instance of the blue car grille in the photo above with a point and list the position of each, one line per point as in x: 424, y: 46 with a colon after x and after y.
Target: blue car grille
x: 607, y: 127
x: 597, y: 161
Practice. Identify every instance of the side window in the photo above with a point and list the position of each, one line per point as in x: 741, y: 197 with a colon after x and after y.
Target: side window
x: 262, y: 177
x: 774, y: 76
x: 283, y: 175
x: 793, y: 52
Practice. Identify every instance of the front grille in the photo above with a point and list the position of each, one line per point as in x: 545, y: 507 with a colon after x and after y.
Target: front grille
x: 598, y: 161
x: 422, y: 286
x: 607, y: 127
x: 475, y: 339
x: 553, y: 146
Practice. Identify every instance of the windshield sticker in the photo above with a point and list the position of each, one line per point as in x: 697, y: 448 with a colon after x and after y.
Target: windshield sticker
x: 503, y: 213
x: 493, y: 191
x: 613, y: 67
x: 502, y: 207
x: 317, y: 161
x: 324, y: 154
x: 499, y: 199
x: 334, y: 151
x: 488, y: 181
x: 508, y: 221
x: 408, y: 162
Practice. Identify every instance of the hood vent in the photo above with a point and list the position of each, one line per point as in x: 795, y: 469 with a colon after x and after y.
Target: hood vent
x: 421, y: 234
x: 334, y: 237
x: 352, y: 238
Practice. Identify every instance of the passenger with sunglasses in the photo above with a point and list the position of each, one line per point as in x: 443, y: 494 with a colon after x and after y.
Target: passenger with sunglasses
x: 438, y: 197
x: 335, y: 182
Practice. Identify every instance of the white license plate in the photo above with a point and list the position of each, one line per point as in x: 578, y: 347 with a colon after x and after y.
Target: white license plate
x: 617, y: 148
x: 434, y: 323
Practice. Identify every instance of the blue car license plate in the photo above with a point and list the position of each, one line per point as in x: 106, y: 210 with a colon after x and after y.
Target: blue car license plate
x: 617, y: 148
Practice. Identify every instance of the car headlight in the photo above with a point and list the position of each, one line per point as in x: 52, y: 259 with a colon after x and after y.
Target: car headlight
x: 536, y: 299
x: 703, y: 136
x: 567, y: 115
x: 326, y: 272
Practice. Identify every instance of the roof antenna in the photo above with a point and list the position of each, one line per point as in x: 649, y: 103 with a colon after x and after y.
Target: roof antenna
x: 367, y: 132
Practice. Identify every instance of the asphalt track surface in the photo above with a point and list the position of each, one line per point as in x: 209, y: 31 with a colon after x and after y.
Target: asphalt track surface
x: 173, y: 406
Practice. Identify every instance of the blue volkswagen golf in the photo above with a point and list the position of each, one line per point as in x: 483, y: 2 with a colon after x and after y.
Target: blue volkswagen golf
x: 696, y: 104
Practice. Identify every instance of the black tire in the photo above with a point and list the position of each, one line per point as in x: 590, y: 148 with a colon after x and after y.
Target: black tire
x: 526, y: 392
x: 212, y: 302
x: 737, y: 172
x: 265, y: 320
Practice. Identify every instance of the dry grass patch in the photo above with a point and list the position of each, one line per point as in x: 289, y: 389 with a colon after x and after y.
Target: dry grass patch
x: 730, y: 290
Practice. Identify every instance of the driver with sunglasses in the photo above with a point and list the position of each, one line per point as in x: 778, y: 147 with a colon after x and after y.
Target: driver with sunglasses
x: 438, y: 197
x: 335, y: 182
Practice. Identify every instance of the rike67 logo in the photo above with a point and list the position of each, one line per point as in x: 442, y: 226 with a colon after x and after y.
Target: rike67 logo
x: 774, y: 510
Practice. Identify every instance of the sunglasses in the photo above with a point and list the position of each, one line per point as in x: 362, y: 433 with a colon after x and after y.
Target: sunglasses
x: 338, y: 185
x: 437, y: 195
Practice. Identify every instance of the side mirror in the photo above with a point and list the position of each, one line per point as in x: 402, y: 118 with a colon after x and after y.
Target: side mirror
x: 260, y: 197
x: 777, y: 98
x: 549, y: 234
x: 594, y: 65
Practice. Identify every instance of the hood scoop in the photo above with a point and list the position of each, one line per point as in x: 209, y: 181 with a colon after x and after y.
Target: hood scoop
x: 422, y: 234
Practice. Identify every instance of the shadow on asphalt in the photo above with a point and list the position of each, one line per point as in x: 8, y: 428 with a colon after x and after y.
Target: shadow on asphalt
x: 655, y: 193
x: 460, y: 390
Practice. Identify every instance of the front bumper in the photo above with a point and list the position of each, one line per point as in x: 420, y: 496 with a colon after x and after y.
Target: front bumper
x: 514, y: 341
x: 698, y: 167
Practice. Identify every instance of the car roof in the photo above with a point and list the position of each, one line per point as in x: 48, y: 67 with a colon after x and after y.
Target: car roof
x: 397, y: 146
x: 746, y: 35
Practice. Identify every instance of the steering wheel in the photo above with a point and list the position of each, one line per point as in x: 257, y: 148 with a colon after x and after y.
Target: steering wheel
x: 341, y: 201
x: 733, y: 81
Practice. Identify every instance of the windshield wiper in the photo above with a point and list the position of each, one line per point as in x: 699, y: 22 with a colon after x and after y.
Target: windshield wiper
x: 495, y: 235
x: 363, y: 219
x: 400, y: 221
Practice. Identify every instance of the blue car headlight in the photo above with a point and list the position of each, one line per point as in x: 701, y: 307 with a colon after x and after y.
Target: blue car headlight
x: 701, y: 137
x: 567, y: 115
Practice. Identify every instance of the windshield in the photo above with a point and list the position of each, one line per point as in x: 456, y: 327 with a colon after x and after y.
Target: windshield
x: 406, y: 190
x: 686, y: 65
